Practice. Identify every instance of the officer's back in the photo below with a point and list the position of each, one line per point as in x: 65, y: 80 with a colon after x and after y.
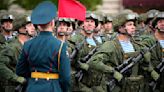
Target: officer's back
x: 43, y: 60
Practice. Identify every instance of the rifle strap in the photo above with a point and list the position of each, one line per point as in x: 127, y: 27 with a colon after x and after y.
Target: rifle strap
x: 59, y: 55
x: 118, y: 48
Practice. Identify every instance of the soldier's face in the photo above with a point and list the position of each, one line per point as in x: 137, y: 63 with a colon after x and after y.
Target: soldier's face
x: 99, y: 27
x: 22, y: 30
x: 30, y: 29
x: 130, y: 27
x: 8, y: 25
x: 70, y: 29
x: 160, y: 24
x: 89, y: 24
x: 62, y: 27
x: 108, y: 26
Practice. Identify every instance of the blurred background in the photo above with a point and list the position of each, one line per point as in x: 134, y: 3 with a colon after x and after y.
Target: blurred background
x: 101, y: 6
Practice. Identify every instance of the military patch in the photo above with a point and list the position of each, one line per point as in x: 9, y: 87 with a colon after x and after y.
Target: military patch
x: 67, y: 53
x: 125, y: 56
x: 89, y: 46
x: 162, y: 50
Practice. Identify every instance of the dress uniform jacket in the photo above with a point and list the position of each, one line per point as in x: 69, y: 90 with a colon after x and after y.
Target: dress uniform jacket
x: 41, y: 54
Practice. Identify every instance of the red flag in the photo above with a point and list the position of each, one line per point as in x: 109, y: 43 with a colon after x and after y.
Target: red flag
x: 71, y: 9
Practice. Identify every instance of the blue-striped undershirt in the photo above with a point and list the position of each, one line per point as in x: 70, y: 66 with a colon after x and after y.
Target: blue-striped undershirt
x: 127, y: 46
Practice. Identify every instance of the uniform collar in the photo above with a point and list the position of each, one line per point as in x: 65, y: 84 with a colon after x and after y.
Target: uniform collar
x: 45, y: 33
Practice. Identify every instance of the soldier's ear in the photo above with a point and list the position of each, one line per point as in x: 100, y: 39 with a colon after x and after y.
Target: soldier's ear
x: 52, y: 23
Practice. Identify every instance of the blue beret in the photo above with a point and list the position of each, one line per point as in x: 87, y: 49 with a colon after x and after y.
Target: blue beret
x: 43, y: 13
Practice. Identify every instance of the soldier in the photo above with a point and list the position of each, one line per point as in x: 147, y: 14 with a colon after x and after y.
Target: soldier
x: 91, y: 81
x: 109, y: 33
x: 157, y: 53
x: 43, y: 60
x: 151, y: 15
x: 141, y: 26
x: 113, y: 53
x: 30, y: 27
x: 159, y: 26
x: 99, y: 29
x: 71, y: 28
x: 9, y: 56
x: 6, y: 27
x: 62, y: 29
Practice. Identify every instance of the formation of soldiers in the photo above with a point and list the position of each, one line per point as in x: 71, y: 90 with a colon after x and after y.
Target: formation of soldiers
x: 123, y: 53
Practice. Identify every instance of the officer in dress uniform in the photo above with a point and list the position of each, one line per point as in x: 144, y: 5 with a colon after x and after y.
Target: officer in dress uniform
x: 43, y: 60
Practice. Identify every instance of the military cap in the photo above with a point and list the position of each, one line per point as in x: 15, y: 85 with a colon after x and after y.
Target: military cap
x: 108, y: 19
x: 28, y: 19
x: 90, y: 15
x: 159, y: 16
x: 43, y: 13
x: 21, y: 21
x: 6, y: 16
x: 131, y: 16
x: 72, y: 20
x: 65, y: 20
x: 152, y: 13
x: 142, y: 17
x: 121, y: 19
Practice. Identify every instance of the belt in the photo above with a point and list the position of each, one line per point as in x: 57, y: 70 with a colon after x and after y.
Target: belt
x: 42, y: 75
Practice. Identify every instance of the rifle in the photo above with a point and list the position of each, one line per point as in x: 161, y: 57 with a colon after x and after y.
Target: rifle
x: 76, y: 50
x: 159, y: 68
x: 21, y: 87
x: 79, y: 74
x: 128, y: 64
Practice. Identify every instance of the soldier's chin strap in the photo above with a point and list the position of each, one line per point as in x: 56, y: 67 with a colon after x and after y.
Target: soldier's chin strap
x: 160, y: 30
x: 126, y: 33
x: 6, y: 30
x: 30, y: 35
x: 23, y: 33
x: 89, y: 31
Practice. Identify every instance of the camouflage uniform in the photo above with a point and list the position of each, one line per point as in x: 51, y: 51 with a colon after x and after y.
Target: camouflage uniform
x: 108, y: 35
x: 111, y: 54
x: 91, y: 81
x: 157, y: 52
x: 5, y: 16
x: 9, y: 56
x: 148, y: 30
x: 91, y: 78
